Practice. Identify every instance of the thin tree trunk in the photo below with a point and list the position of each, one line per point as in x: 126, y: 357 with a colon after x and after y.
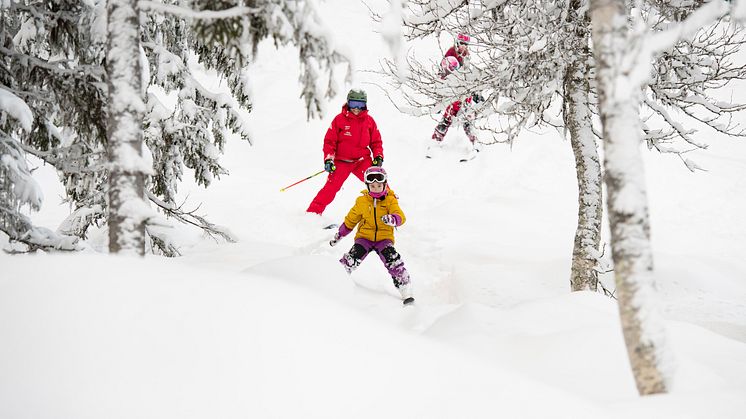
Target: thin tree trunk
x: 627, y: 200
x: 583, y: 274
x: 128, y: 210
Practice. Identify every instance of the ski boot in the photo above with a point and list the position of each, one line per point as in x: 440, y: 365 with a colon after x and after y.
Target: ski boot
x: 351, y: 260
x: 476, y: 146
x: 440, y: 131
x: 438, y: 135
x: 406, y: 293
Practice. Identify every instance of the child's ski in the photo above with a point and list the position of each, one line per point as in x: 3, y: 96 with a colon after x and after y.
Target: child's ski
x: 408, y: 301
x: 331, y: 226
x: 471, y: 156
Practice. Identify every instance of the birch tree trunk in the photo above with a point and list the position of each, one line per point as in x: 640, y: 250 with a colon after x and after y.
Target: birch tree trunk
x: 627, y: 199
x: 583, y: 274
x: 128, y: 210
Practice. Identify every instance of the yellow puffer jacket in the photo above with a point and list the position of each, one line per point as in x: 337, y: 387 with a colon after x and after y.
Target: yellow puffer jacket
x: 368, y: 211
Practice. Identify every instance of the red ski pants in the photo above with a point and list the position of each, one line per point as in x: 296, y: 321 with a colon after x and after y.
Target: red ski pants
x: 336, y: 179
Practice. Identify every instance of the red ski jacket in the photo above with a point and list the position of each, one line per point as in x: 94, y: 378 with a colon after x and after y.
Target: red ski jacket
x: 351, y: 137
x: 455, y: 107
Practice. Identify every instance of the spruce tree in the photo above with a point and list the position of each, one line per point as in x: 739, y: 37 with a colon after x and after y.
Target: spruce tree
x: 53, y: 59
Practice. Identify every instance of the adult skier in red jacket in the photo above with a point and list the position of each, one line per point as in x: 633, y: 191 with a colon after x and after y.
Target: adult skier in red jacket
x: 351, y: 145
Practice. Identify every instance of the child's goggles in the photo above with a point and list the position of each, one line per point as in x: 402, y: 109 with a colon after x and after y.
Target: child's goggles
x: 356, y: 104
x: 375, y: 177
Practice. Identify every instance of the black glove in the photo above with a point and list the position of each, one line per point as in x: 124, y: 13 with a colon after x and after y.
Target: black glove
x: 329, y: 165
x: 378, y: 161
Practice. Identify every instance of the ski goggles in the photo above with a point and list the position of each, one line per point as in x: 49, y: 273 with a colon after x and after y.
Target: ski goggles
x: 375, y: 178
x: 356, y: 104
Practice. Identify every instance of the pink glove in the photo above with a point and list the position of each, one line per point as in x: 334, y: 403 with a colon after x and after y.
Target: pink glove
x: 392, y: 220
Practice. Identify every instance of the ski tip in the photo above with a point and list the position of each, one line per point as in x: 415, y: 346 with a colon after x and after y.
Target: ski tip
x: 331, y: 226
x: 407, y: 301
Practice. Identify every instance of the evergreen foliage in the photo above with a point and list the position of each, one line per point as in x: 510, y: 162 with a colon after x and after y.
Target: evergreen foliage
x: 53, y: 58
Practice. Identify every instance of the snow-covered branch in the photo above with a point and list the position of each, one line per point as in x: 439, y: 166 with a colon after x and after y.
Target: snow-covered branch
x: 76, y: 70
x: 186, y: 12
x: 427, y: 16
x: 657, y: 42
x: 16, y: 108
x: 190, y: 217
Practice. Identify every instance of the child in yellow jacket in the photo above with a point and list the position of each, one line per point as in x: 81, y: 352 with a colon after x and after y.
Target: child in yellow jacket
x: 376, y: 213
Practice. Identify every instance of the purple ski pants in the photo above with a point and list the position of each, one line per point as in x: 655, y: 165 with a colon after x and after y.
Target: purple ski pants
x: 389, y: 256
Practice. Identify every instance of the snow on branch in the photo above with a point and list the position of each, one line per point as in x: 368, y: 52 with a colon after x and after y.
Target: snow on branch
x: 657, y: 42
x: 426, y: 15
x: 56, y: 66
x: 40, y: 238
x: 518, y: 55
x: 17, y: 186
x: 682, y: 132
x: 186, y: 12
x: 16, y: 108
x: 189, y: 217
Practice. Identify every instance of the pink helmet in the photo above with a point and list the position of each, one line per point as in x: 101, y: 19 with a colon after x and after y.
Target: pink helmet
x: 375, y: 174
x: 449, y: 64
x: 463, y: 39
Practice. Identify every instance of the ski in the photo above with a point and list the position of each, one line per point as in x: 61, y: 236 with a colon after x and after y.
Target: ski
x: 408, y: 301
x: 331, y: 226
x: 471, y: 156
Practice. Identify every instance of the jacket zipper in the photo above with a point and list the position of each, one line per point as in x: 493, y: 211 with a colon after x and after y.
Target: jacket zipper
x: 375, y: 221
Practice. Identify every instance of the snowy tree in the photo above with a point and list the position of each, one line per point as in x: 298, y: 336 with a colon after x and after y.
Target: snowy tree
x: 534, y: 59
x: 679, y: 97
x: 577, y: 112
x: 26, y: 83
x: 60, y: 47
x: 224, y: 37
x: 287, y: 22
x: 128, y: 210
x: 17, y: 186
x: 624, y: 59
x: 627, y: 200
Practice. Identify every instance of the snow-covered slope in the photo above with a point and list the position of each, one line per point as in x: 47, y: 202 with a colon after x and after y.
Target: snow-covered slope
x: 272, y: 326
x: 153, y: 341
